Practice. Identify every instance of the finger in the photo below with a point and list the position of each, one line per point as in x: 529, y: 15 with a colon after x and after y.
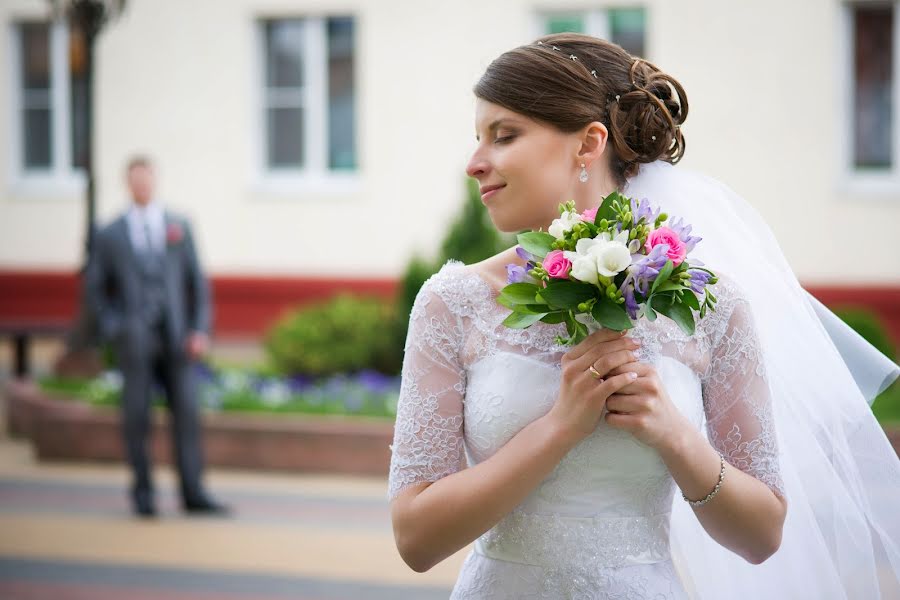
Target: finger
x: 599, y: 350
x: 602, y: 335
x: 607, y: 362
x: 642, y: 369
x: 625, y: 422
x: 626, y: 403
x: 611, y: 385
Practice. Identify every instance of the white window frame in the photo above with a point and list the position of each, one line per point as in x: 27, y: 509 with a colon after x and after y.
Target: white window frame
x: 61, y: 178
x: 596, y: 19
x: 885, y: 185
x: 314, y: 176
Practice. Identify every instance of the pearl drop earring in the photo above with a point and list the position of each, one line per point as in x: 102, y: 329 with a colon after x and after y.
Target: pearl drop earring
x: 583, y: 176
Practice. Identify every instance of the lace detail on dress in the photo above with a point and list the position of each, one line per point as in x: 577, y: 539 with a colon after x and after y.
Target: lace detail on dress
x: 736, y: 394
x: 536, y: 539
x: 428, y: 437
x: 484, y: 578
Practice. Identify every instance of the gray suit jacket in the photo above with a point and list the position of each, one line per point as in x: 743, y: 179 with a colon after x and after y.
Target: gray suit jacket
x: 112, y: 287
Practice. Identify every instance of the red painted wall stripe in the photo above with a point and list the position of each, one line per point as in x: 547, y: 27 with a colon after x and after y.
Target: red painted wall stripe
x: 247, y: 305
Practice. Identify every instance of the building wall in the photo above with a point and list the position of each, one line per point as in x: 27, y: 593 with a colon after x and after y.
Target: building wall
x: 180, y: 81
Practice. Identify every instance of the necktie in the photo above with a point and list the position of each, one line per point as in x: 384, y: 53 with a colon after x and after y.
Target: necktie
x: 149, y: 247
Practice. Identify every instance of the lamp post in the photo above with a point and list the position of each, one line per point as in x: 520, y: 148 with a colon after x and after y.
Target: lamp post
x: 89, y: 16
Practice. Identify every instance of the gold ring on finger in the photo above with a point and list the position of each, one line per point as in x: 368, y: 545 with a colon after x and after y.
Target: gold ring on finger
x: 595, y: 373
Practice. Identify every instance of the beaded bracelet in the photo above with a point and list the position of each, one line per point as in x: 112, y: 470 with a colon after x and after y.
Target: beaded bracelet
x: 715, y: 491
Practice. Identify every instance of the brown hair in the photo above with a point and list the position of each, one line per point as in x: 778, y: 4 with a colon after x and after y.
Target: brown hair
x: 632, y: 97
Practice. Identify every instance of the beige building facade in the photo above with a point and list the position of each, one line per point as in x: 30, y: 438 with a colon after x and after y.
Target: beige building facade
x: 329, y: 138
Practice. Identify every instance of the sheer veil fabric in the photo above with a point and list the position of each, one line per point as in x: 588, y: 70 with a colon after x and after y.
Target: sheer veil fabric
x: 841, y: 476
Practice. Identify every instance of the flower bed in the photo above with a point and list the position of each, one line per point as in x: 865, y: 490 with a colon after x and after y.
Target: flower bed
x: 242, y: 432
x: 367, y: 393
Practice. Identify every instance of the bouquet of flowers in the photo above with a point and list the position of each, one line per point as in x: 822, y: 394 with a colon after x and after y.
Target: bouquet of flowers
x: 607, y: 267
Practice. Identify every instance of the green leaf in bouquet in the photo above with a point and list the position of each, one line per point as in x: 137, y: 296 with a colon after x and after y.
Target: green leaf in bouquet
x: 554, y: 318
x: 536, y: 242
x: 537, y: 309
x: 521, y: 320
x: 669, y: 286
x: 681, y: 314
x: 520, y: 293
x: 611, y: 315
x: 606, y: 210
x: 504, y: 301
x: 576, y: 329
x: 690, y: 299
x: 567, y: 294
x: 663, y: 276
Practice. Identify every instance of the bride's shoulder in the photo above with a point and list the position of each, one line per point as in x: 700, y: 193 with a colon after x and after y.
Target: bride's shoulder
x: 454, y: 286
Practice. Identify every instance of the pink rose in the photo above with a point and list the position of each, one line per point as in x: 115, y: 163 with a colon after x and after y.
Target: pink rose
x: 589, y: 215
x: 664, y: 235
x: 557, y: 265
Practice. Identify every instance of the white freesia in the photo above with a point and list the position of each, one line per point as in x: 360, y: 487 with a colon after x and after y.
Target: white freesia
x: 604, y: 255
x: 612, y: 258
x: 564, y: 223
x: 584, y: 268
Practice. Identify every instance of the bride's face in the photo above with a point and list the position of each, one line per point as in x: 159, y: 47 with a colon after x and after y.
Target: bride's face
x: 524, y: 168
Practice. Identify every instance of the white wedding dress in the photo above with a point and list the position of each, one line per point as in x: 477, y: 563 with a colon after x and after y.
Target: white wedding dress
x: 598, y: 526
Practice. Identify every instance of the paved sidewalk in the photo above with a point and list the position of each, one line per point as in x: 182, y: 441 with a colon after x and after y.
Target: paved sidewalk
x: 66, y: 533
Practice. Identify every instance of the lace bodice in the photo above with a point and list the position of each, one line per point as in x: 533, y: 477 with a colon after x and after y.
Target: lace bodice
x: 470, y: 384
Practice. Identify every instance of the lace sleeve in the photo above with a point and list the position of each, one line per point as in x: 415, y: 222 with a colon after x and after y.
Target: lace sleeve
x: 736, y: 395
x: 428, y: 432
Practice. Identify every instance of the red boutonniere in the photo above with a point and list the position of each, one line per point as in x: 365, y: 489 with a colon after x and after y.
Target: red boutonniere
x: 174, y: 233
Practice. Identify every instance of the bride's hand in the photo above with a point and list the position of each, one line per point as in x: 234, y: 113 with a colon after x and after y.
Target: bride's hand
x: 643, y: 408
x: 582, y: 396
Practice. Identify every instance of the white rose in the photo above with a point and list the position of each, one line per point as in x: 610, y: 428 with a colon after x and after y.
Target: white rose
x: 564, y: 223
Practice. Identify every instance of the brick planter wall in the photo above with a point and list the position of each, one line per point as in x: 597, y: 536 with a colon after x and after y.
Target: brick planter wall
x: 63, y: 430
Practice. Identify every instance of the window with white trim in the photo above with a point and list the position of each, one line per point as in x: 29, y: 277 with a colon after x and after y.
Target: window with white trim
x: 623, y: 26
x: 873, y: 47
x: 309, y: 96
x: 49, y: 96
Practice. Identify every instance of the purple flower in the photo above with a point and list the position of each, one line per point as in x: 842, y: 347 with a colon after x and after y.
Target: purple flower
x: 631, y: 305
x: 643, y: 208
x: 515, y: 273
x: 375, y: 382
x: 525, y: 254
x: 682, y: 229
x: 645, y: 268
x: 698, y: 280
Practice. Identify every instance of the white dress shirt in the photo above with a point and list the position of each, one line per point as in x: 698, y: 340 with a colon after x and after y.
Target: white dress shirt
x: 153, y: 215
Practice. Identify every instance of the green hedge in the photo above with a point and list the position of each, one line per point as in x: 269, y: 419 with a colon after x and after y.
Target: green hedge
x: 341, y: 335
x: 865, y: 322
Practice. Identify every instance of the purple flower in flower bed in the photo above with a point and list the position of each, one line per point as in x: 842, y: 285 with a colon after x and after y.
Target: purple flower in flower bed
x: 375, y: 382
x: 299, y: 383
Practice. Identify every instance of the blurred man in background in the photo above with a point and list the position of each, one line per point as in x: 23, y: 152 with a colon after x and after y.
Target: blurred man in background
x: 151, y: 301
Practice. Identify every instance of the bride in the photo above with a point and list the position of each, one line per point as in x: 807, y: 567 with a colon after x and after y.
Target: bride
x: 740, y: 462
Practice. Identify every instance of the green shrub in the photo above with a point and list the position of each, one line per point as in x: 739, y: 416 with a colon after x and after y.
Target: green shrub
x: 867, y: 324
x: 343, y: 334
x: 417, y: 273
